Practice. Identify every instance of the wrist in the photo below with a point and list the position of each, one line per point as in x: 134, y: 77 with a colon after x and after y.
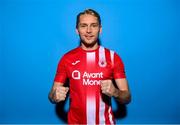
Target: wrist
x: 116, y: 93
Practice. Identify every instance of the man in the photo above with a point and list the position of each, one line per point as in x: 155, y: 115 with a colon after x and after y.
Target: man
x: 91, y: 70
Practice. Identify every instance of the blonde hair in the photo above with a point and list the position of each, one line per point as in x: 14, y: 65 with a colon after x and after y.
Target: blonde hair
x: 90, y: 12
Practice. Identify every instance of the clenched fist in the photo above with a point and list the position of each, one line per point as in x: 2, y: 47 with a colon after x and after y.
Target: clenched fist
x: 58, y: 93
x: 108, y: 88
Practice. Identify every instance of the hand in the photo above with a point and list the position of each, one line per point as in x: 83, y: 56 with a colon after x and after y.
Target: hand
x: 107, y: 87
x: 60, y: 93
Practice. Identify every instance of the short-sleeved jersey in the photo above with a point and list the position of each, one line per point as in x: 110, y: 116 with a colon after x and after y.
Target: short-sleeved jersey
x: 85, y: 70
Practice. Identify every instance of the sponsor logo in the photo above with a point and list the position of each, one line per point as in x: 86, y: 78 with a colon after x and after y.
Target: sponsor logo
x: 76, y: 74
x: 93, y: 75
x: 88, y: 78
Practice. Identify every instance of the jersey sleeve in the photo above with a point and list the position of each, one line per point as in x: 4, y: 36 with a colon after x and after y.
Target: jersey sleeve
x: 119, y: 71
x: 61, y: 73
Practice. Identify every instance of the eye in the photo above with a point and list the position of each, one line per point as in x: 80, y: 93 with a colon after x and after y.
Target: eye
x: 95, y: 25
x: 82, y: 25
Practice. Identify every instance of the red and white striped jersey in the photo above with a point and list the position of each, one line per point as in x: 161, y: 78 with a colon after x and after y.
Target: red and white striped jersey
x: 85, y: 70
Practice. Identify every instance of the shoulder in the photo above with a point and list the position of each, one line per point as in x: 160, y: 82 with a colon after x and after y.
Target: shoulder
x: 70, y: 54
x: 113, y: 54
x: 107, y: 50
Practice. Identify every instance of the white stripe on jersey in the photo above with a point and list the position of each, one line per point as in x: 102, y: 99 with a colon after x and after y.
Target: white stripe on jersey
x: 102, y: 53
x: 101, y: 111
x: 91, y: 110
x: 112, y: 57
x: 90, y: 57
x: 90, y: 100
x: 110, y: 116
x: 102, y: 57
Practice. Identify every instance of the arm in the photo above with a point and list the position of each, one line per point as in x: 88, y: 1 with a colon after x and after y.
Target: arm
x: 121, y: 93
x: 58, y: 92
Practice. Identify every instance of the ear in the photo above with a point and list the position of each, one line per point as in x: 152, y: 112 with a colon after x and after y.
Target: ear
x: 100, y: 30
x: 77, y: 31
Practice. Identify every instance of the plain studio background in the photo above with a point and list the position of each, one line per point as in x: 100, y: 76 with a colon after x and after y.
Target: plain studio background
x: 34, y: 34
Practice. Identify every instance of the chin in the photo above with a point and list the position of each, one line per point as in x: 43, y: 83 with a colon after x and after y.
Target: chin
x: 89, y: 43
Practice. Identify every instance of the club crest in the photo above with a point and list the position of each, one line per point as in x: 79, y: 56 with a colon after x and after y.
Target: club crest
x: 102, y: 63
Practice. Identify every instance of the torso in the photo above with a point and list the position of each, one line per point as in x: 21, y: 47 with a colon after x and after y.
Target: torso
x: 85, y: 70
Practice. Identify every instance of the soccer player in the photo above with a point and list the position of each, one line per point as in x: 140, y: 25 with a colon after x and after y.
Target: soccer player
x: 91, y: 70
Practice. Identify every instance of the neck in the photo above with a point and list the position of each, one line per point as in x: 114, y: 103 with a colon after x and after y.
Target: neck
x: 90, y: 47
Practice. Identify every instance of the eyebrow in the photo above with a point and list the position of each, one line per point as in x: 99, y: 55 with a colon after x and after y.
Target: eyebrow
x: 87, y: 24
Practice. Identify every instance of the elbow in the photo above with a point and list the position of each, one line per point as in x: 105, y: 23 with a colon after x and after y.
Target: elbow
x: 51, y: 98
x: 128, y: 99
x: 125, y: 98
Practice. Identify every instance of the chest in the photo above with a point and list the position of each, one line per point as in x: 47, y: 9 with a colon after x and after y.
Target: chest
x: 89, y: 66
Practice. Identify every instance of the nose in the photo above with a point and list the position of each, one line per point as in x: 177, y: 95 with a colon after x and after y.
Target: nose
x: 89, y: 29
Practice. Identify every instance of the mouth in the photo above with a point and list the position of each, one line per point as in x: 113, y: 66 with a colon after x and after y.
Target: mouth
x: 88, y: 37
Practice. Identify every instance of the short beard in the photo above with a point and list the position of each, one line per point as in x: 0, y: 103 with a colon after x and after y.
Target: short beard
x: 90, y: 45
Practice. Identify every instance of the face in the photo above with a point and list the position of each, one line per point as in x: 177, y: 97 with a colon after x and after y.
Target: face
x: 88, y: 30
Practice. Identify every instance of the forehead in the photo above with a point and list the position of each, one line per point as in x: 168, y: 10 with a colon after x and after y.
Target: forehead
x: 87, y: 18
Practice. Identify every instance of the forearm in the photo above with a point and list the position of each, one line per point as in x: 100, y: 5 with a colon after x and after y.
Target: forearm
x: 51, y: 95
x: 53, y: 91
x: 123, y: 97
